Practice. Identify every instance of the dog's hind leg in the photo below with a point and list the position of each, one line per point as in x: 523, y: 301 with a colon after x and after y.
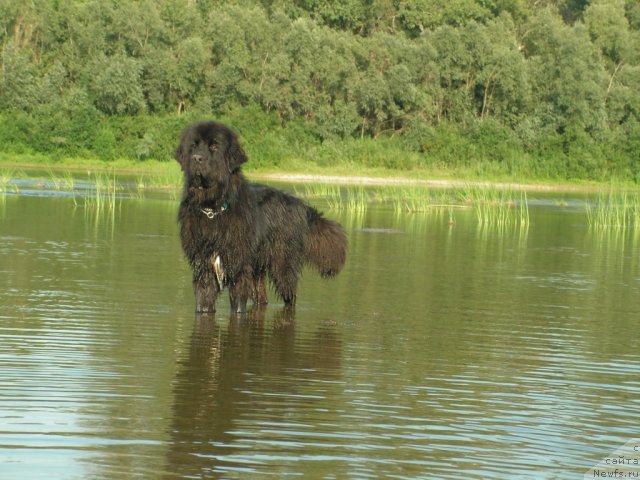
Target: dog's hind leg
x: 285, y: 280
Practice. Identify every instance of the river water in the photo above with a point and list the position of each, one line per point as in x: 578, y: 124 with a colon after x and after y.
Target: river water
x: 443, y: 350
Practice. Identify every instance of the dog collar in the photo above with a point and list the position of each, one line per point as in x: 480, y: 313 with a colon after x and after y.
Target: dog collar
x: 210, y: 212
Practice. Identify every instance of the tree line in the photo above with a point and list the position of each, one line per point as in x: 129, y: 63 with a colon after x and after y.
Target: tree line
x: 550, y: 88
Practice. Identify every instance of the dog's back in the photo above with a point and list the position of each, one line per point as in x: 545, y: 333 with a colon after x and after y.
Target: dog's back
x: 299, y: 231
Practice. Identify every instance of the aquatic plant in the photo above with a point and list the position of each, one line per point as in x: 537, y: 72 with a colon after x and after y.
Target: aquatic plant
x: 317, y: 190
x: 167, y: 182
x: 6, y: 177
x: 164, y: 181
x: 497, y: 207
x: 403, y: 199
x: 61, y: 181
x: 142, y: 183
x: 417, y: 199
x: 493, y: 206
x: 332, y: 194
x: 103, y: 194
x: 614, y: 209
x: 357, y: 200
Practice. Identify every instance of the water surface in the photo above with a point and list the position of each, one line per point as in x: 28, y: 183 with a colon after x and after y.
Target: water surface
x: 441, y: 351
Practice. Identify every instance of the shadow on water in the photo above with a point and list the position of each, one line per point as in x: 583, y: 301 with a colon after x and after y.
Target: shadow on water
x: 228, y: 371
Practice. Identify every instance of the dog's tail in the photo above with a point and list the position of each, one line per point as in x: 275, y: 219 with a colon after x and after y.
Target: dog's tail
x: 326, y: 244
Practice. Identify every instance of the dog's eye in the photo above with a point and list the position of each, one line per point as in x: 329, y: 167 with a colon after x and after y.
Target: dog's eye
x: 213, y: 147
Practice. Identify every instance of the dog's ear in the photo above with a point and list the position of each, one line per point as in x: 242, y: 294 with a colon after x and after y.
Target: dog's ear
x: 235, y: 153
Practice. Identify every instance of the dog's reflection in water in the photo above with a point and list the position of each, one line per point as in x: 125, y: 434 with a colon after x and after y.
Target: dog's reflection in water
x: 243, y: 369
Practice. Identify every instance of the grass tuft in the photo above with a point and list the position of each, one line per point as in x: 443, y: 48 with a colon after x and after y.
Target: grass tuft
x: 6, y: 178
x: 498, y: 207
x: 615, y: 209
x: 103, y: 194
x: 494, y: 207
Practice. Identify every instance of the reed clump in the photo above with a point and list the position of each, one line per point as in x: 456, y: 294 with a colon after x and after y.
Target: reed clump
x: 353, y: 199
x: 160, y: 181
x: 61, y: 181
x: 417, y: 199
x: 103, y: 192
x: 494, y: 207
x: 6, y: 179
x: 357, y: 200
x: 332, y: 194
x: 497, y: 207
x: 615, y: 209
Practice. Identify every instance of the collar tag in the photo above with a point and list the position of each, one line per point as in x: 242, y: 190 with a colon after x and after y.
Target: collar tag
x: 210, y: 213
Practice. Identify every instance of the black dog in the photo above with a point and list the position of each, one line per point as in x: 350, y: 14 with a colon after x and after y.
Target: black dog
x: 235, y: 233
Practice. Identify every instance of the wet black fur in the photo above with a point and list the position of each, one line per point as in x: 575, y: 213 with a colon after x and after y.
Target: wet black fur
x: 256, y: 231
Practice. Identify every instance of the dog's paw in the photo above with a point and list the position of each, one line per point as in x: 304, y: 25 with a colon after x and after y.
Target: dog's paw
x: 205, y: 308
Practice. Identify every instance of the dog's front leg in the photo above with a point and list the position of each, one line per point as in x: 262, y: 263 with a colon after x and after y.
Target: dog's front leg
x: 240, y: 290
x: 205, y: 288
x: 259, y: 293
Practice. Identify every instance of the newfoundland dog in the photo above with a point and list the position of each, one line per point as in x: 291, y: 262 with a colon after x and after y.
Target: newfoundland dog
x: 234, y: 233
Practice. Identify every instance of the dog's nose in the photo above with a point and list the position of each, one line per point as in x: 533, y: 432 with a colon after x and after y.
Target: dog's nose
x: 197, y: 158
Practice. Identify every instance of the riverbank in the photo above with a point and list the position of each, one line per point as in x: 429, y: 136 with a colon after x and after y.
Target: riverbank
x: 431, y: 183
x: 344, y: 175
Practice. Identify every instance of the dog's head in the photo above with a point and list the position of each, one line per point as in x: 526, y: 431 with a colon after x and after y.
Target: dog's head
x: 209, y: 153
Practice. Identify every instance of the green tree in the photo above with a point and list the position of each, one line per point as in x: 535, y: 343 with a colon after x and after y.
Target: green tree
x: 241, y: 44
x: 420, y: 15
x: 346, y: 14
x: 502, y: 85
x: 20, y: 84
x: 610, y: 31
x: 609, y: 28
x: 456, y: 75
x: 632, y: 9
x: 116, y: 85
x: 321, y: 66
x: 567, y: 77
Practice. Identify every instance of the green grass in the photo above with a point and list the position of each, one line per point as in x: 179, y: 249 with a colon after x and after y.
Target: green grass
x: 357, y: 200
x: 417, y: 199
x: 403, y: 199
x: 354, y: 199
x: 615, y: 209
x: 103, y: 195
x: 62, y: 180
x: 165, y: 180
x: 6, y: 177
x: 494, y: 207
x: 497, y: 207
x: 98, y: 181
x: 332, y: 194
x: 257, y: 168
x: 156, y: 173
x: 169, y: 182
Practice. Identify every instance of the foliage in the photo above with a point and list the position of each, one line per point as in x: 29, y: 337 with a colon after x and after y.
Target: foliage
x: 546, y: 88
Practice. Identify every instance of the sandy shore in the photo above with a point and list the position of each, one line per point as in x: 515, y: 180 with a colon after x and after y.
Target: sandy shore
x: 360, y: 180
